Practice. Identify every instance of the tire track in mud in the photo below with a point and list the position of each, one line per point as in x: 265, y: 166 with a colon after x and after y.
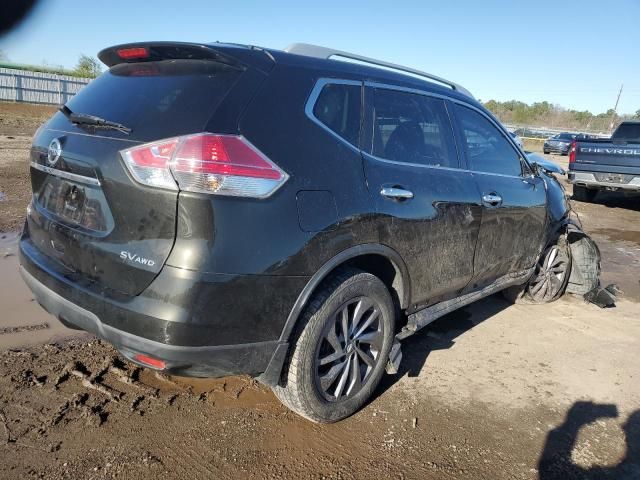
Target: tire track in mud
x: 24, y: 328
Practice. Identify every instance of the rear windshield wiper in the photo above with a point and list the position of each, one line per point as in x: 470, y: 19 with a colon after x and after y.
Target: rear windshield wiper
x: 93, y: 121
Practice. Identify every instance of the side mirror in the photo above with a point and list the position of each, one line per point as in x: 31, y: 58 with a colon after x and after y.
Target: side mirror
x: 536, y: 168
x: 541, y: 164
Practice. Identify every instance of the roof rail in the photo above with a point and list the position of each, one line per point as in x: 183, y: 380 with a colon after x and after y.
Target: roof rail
x: 316, y: 51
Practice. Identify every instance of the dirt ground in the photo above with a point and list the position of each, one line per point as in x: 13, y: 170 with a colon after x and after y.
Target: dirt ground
x: 493, y: 391
x: 18, y: 123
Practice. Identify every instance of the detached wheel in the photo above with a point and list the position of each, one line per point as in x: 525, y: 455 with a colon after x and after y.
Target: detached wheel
x: 584, y: 194
x: 340, y: 349
x: 585, y: 264
x: 549, y: 280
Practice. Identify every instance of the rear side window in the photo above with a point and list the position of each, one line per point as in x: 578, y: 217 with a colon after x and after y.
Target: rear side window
x: 487, y: 148
x: 338, y: 108
x: 158, y: 99
x: 412, y: 128
x: 627, y: 132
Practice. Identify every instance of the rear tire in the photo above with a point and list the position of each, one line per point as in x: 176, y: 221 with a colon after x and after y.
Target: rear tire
x: 584, y: 194
x: 326, y: 377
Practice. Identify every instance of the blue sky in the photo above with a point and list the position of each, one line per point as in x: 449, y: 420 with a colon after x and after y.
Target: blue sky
x: 574, y: 53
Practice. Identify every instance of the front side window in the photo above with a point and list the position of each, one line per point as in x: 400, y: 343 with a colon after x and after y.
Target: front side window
x: 412, y: 128
x: 488, y: 149
x: 338, y: 108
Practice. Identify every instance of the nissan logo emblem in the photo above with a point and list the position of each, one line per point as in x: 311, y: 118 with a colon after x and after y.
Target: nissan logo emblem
x: 54, y: 152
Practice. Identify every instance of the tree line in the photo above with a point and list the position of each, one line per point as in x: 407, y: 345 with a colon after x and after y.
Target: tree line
x: 546, y: 114
x: 89, y: 67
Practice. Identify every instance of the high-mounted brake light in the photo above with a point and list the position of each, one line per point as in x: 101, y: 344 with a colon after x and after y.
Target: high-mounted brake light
x: 572, y: 152
x: 206, y: 163
x: 133, y: 53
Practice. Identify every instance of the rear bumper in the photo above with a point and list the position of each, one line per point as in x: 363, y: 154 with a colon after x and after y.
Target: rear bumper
x: 185, y: 320
x: 589, y: 180
x: 214, y: 361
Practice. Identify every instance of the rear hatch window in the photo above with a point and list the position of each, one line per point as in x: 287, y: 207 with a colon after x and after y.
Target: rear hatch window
x: 157, y: 99
x: 90, y: 216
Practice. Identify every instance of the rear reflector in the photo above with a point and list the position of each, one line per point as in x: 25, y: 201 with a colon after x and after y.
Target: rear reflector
x: 206, y: 163
x: 150, y: 361
x: 133, y: 53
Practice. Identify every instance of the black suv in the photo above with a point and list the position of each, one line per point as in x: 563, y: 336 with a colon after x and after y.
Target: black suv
x: 218, y: 209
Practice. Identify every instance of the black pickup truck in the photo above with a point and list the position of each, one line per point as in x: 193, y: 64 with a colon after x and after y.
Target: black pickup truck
x: 606, y: 164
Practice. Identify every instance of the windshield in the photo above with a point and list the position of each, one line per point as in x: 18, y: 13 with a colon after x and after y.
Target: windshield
x: 565, y: 136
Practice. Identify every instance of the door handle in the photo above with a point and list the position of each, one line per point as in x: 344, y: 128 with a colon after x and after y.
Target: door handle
x: 492, y: 199
x: 396, y: 193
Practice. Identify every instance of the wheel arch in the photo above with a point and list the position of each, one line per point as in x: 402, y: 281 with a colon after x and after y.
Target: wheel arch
x: 558, y: 228
x: 373, y: 258
x: 377, y: 259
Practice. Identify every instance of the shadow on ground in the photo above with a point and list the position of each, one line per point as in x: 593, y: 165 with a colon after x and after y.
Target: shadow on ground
x: 617, y: 200
x: 441, y: 335
x: 556, y: 462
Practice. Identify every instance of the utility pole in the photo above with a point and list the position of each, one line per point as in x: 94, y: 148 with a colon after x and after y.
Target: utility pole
x: 615, y: 110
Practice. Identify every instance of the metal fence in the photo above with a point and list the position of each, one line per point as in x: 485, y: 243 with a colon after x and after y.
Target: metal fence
x: 38, y: 87
x: 527, y: 131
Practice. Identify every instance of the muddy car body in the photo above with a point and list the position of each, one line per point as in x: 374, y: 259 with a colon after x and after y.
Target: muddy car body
x: 220, y: 209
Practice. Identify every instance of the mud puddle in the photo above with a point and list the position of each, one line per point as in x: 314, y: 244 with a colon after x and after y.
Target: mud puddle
x: 22, y: 321
x: 620, y: 252
x: 631, y: 236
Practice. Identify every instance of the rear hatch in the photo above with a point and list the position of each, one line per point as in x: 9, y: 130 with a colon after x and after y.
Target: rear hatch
x: 89, y: 216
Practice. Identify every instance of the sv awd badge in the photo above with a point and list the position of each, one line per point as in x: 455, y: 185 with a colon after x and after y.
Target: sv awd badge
x: 135, y: 258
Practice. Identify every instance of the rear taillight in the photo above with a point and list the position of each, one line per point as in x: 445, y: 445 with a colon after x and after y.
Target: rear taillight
x: 206, y: 163
x: 572, y: 152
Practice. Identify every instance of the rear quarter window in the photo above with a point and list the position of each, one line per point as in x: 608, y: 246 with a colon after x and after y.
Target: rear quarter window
x: 338, y: 108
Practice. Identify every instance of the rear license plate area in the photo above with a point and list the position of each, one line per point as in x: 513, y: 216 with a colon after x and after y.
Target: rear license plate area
x: 74, y: 204
x: 614, y: 177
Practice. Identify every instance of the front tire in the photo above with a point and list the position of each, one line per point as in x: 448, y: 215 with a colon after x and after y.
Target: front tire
x: 549, y: 280
x: 340, y: 349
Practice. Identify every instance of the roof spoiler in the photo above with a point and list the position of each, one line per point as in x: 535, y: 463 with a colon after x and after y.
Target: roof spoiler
x: 232, y: 55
